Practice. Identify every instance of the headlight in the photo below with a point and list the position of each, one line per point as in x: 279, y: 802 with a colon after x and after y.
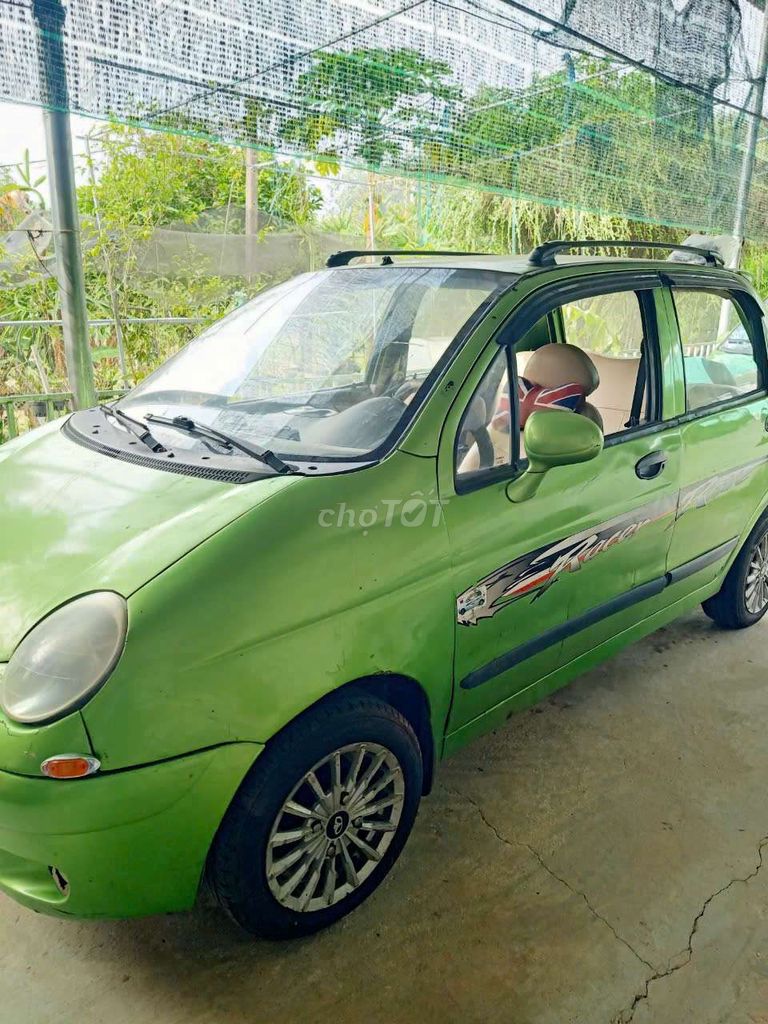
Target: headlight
x: 61, y: 663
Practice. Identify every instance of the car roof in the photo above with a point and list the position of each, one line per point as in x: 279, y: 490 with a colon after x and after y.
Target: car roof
x: 520, y: 265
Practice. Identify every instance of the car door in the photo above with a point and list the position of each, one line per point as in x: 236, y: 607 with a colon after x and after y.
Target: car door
x: 723, y: 403
x: 539, y: 580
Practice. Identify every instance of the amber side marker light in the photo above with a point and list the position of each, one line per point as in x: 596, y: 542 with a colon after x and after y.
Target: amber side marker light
x: 69, y: 766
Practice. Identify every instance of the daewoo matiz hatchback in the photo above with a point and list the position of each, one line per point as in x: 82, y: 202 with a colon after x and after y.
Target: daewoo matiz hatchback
x: 246, y: 609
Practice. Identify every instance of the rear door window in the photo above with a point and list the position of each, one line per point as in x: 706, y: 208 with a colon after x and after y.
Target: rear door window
x: 721, y: 347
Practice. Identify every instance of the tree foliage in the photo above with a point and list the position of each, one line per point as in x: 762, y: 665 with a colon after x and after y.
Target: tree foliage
x: 150, y: 179
x: 390, y: 100
x: 593, y: 136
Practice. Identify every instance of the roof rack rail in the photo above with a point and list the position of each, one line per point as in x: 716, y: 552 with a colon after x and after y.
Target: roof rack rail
x: 343, y: 258
x: 544, y: 255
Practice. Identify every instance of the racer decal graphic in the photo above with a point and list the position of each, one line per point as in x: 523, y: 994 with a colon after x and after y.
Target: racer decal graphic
x: 536, y: 571
x: 701, y: 493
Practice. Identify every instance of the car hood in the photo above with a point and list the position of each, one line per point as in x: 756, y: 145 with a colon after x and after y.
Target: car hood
x: 74, y: 520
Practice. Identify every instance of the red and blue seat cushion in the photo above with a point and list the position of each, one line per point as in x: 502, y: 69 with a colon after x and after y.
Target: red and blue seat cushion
x: 533, y: 397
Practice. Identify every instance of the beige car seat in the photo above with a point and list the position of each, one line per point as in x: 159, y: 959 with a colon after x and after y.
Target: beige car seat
x: 723, y: 386
x: 613, y: 396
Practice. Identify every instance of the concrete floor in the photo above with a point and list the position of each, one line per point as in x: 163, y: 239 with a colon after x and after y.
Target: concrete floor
x: 597, y: 860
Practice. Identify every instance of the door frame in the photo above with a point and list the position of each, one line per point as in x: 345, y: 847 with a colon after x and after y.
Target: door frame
x: 721, y: 478
x: 525, y: 313
x: 745, y: 300
x: 520, y: 318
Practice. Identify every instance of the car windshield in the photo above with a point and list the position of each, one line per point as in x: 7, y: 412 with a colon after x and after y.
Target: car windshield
x: 329, y: 365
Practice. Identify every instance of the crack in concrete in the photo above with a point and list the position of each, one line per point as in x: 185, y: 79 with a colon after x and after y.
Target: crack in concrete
x: 681, y: 960
x: 685, y: 956
x: 563, y: 881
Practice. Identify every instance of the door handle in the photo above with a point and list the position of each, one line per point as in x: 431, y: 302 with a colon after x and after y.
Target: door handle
x: 650, y: 465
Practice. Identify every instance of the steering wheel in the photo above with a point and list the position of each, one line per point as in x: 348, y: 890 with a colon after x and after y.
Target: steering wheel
x: 485, y: 450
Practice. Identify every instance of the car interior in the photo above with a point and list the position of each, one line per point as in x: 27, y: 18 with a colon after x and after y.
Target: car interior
x: 608, y: 365
x: 615, y: 392
x: 611, y: 382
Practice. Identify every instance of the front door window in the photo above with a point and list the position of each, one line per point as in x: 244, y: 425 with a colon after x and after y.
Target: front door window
x: 485, y: 439
x: 611, y: 330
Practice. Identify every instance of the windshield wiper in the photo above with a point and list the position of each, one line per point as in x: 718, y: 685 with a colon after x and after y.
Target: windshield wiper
x: 135, y: 427
x: 210, y: 433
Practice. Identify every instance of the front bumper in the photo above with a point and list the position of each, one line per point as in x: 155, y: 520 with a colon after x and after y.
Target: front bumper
x: 128, y: 842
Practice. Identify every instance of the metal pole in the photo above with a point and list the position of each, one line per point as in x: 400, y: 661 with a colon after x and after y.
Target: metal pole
x: 119, y: 337
x: 753, y: 130
x: 251, y: 209
x: 50, y: 16
x: 371, y: 216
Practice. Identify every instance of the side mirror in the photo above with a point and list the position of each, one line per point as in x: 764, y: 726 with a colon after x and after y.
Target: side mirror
x: 554, y: 438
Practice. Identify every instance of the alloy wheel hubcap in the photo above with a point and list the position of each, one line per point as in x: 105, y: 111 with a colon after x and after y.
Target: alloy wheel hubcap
x: 756, y: 586
x: 335, y: 826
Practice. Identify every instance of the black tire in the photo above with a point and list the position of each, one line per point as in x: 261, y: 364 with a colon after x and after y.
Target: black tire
x: 237, y: 864
x: 728, y: 607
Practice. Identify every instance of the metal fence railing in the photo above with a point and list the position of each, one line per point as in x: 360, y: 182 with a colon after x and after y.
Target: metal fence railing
x: 109, y: 321
x: 30, y: 408
x: 19, y: 413
x: 26, y: 346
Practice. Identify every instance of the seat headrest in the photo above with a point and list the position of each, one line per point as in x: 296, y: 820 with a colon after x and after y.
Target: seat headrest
x: 593, y: 414
x: 556, y: 364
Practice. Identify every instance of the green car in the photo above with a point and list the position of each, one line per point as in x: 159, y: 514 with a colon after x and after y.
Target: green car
x: 247, y: 609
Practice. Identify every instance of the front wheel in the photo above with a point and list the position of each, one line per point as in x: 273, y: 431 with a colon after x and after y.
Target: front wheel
x: 320, y: 820
x: 743, y: 598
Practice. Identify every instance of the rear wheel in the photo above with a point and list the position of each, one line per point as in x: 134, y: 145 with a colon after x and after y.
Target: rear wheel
x: 320, y: 820
x: 743, y: 598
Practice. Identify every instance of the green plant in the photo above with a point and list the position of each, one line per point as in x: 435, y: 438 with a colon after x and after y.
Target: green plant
x: 150, y: 179
x: 387, y: 99
x: 26, y: 181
